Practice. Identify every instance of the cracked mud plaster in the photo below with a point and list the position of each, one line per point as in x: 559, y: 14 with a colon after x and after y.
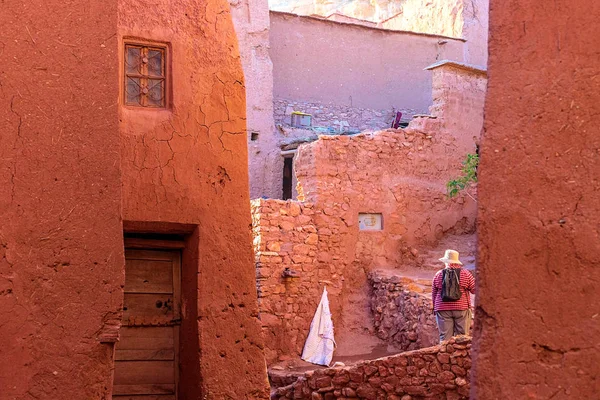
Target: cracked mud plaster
x: 539, y: 227
x: 61, y: 257
x: 188, y: 164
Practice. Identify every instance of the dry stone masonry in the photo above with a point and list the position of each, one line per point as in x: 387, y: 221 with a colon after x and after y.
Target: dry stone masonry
x: 333, y: 118
x: 296, y: 256
x: 402, y: 311
x: 400, y: 174
x: 436, y: 373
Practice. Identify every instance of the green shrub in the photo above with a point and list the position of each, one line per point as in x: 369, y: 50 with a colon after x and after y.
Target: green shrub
x: 469, y: 175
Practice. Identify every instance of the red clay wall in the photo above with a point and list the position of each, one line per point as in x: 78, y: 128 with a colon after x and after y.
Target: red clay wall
x: 188, y: 165
x: 539, y: 206
x: 61, y: 243
x: 400, y: 174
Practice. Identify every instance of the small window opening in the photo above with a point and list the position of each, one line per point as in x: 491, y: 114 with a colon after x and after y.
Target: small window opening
x: 254, y: 136
x: 301, y: 120
x: 288, y: 173
x: 145, y: 75
x: 370, y: 221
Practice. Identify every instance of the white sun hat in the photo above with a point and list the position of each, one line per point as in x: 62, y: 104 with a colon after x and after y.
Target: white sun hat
x: 451, y: 257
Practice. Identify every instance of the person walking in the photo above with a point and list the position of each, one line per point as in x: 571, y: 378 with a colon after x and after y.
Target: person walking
x: 451, y: 296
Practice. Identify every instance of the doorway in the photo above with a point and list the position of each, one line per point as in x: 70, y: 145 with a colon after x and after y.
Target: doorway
x: 288, y: 174
x: 147, y: 356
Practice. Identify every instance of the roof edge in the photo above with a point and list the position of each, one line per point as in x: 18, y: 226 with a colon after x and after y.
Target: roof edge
x: 477, y: 69
x: 374, y: 28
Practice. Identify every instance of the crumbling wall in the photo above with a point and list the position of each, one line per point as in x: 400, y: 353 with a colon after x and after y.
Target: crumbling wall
x: 187, y: 165
x: 539, y: 209
x: 439, y: 372
x: 398, y: 173
x: 392, y: 172
x: 251, y: 19
x: 61, y: 243
x: 401, y: 174
x: 458, y: 93
x: 402, y: 311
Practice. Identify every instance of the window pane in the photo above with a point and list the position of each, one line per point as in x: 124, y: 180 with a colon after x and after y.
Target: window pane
x: 133, y: 60
x: 133, y: 90
x: 155, y: 62
x: 156, y: 92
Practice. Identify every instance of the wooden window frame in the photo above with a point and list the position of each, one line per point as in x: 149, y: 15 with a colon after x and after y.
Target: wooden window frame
x: 144, y: 76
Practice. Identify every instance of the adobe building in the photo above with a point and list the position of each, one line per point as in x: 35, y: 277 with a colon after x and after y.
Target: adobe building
x: 369, y: 202
x: 349, y: 75
x: 126, y: 264
x: 539, y: 209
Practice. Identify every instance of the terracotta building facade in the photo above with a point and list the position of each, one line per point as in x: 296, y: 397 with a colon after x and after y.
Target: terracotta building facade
x: 125, y: 249
x: 539, y: 244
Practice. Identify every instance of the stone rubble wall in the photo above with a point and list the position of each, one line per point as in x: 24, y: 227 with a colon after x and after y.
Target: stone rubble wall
x: 399, y: 173
x: 338, y: 118
x: 402, y: 312
x: 440, y: 372
x: 290, y: 234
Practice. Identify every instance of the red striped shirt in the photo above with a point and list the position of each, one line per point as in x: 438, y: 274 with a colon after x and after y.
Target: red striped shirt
x: 467, y: 286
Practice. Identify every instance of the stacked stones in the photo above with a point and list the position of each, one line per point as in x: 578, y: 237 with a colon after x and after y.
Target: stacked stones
x: 286, y: 237
x: 439, y: 372
x: 395, y: 172
x: 339, y: 118
x: 398, y: 173
x: 402, y: 311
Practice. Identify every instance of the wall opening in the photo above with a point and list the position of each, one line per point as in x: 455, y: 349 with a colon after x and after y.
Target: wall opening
x: 288, y: 177
x: 159, y: 350
x: 254, y: 136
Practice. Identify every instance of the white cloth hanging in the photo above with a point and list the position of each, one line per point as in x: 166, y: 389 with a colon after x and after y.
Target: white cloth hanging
x: 320, y: 342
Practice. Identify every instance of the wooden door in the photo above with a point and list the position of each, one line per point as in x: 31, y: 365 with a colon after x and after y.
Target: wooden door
x: 146, y: 357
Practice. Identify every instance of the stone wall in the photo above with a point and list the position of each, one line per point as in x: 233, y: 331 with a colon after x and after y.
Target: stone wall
x: 401, y: 174
x: 331, y: 118
x: 393, y: 172
x: 402, y: 311
x: 440, y: 372
x: 398, y: 173
x: 292, y: 235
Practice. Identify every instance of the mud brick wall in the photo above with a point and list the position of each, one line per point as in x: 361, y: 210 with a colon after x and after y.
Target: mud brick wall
x: 399, y: 173
x: 402, y: 312
x: 290, y: 234
x: 439, y: 372
x: 540, y: 216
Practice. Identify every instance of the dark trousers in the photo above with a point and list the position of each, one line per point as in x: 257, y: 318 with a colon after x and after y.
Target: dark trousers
x: 452, y: 323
